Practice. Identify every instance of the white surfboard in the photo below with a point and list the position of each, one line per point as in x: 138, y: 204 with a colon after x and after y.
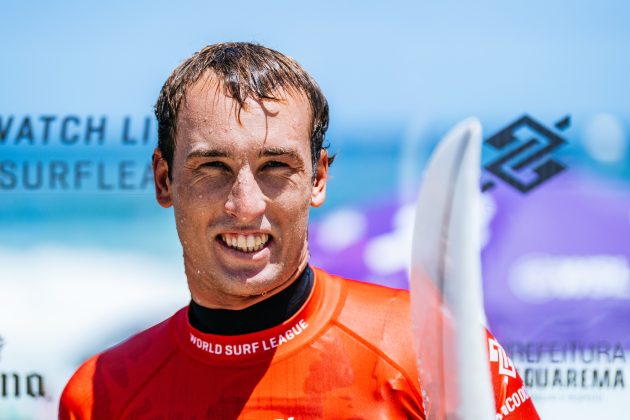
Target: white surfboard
x: 445, y: 281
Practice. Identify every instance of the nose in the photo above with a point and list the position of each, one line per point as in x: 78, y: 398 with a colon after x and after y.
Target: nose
x: 246, y: 201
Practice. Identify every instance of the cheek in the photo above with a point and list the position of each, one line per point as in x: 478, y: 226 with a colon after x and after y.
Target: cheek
x: 292, y: 210
x: 294, y: 202
x: 198, y: 198
x: 193, y: 213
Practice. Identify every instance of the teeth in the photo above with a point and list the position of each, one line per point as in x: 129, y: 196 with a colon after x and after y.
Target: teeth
x: 245, y: 243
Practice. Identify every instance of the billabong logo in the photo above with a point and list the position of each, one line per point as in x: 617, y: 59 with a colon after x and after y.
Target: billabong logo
x: 532, y: 152
x: 497, y: 354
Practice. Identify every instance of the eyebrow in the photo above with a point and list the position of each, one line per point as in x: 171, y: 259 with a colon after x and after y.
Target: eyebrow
x: 207, y: 153
x: 266, y: 152
x: 280, y: 151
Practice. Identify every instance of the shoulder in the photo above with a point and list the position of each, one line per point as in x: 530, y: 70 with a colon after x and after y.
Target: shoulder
x: 367, y: 306
x: 106, y: 381
x: 380, y: 317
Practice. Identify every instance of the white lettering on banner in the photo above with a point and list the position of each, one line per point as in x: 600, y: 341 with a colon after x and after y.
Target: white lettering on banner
x: 249, y: 348
x: 538, y: 278
x: 497, y: 354
x: 513, y: 402
x: 566, y: 352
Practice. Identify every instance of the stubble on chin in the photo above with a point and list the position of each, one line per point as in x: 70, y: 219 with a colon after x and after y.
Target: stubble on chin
x: 239, y: 290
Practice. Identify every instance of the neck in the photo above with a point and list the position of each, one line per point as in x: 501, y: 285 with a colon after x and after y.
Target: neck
x: 265, y: 314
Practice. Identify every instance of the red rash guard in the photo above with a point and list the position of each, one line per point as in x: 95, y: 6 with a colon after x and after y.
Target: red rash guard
x: 347, y: 353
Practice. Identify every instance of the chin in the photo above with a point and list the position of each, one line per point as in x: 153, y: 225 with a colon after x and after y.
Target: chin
x: 254, y: 281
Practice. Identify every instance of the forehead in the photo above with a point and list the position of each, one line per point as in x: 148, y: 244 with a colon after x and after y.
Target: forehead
x: 206, y: 112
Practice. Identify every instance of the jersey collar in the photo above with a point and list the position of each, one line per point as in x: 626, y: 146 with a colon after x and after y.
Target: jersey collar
x: 273, y: 343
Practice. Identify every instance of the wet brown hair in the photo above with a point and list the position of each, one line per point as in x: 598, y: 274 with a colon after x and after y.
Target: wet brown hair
x: 245, y: 70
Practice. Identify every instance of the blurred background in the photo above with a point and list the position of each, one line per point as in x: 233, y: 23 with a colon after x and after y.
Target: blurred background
x: 87, y: 257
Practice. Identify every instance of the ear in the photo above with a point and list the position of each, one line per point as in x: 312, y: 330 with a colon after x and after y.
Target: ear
x: 318, y: 193
x: 161, y: 179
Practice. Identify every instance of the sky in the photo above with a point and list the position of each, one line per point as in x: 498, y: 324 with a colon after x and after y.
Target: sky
x: 377, y: 62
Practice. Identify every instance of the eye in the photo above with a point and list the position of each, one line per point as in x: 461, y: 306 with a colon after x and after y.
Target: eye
x: 274, y: 164
x: 214, y: 164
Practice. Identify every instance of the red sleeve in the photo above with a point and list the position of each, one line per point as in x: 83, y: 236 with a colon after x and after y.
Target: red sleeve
x: 77, y: 398
x: 512, y: 399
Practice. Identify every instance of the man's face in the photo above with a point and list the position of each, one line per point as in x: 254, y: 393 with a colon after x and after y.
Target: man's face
x: 242, y: 185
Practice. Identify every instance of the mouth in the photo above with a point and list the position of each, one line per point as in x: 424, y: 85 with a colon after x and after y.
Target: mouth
x: 248, y: 243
